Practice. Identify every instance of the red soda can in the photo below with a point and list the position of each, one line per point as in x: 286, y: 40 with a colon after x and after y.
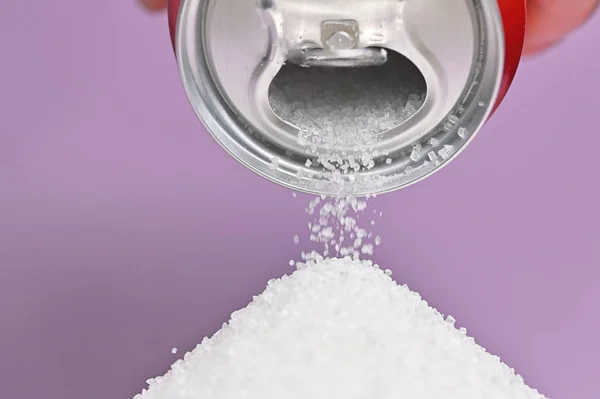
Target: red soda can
x: 389, y: 90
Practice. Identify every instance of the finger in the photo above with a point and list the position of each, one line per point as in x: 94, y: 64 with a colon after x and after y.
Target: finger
x: 154, y: 5
x: 548, y: 21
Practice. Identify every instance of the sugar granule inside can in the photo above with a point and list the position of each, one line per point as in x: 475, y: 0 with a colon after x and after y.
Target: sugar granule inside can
x: 341, y: 113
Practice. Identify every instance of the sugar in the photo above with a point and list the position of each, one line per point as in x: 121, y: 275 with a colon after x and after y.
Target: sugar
x: 274, y: 164
x: 327, y: 100
x: 342, y: 112
x: 367, y: 249
x: 450, y: 320
x: 336, y: 226
x: 174, y: 350
x: 338, y: 329
x: 415, y: 154
x: 446, y: 151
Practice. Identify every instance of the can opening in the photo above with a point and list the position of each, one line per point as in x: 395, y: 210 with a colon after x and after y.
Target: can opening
x: 348, y: 101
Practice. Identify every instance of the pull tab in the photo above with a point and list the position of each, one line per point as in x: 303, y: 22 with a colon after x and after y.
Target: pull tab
x: 340, y: 41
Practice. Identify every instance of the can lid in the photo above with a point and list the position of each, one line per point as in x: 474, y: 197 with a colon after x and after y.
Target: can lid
x: 337, y: 98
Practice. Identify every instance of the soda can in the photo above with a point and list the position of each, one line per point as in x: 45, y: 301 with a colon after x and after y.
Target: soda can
x: 420, y: 77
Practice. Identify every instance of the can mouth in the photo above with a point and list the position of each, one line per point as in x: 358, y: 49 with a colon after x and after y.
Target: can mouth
x: 339, y: 109
x: 235, y: 63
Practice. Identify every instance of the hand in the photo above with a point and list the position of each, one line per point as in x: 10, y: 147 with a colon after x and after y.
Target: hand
x: 548, y: 21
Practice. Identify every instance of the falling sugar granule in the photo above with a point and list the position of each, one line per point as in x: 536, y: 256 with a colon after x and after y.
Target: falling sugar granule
x: 337, y: 227
x: 339, y: 329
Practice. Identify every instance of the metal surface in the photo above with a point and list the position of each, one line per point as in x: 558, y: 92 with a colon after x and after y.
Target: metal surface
x: 229, y: 51
x: 344, y: 58
x: 338, y: 48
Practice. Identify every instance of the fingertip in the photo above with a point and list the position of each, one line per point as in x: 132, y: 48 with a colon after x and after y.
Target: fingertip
x: 154, y: 5
x: 536, y: 48
x: 549, y: 21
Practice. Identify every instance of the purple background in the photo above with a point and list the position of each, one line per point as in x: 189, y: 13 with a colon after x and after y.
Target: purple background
x: 125, y: 230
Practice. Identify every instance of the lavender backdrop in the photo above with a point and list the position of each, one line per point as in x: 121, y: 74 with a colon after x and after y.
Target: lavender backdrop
x: 125, y: 230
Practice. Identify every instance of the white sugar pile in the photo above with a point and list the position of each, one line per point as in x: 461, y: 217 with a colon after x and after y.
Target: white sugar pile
x: 339, y: 329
